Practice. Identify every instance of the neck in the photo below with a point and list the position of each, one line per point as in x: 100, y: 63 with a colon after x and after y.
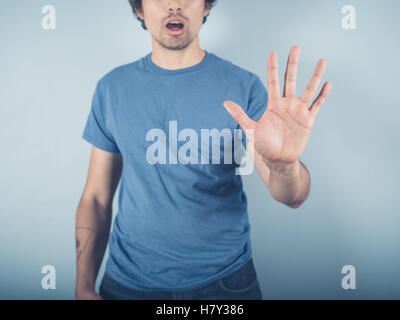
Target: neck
x: 177, y: 59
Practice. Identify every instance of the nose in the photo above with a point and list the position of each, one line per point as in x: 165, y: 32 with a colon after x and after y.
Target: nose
x: 175, y: 6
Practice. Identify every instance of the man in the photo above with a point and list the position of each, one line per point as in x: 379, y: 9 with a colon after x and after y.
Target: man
x: 182, y: 229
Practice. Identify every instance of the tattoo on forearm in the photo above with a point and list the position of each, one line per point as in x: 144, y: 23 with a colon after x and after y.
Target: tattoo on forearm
x: 82, y: 233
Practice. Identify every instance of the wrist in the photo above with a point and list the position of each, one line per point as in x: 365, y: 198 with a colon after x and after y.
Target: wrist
x: 281, y: 168
x: 84, y: 286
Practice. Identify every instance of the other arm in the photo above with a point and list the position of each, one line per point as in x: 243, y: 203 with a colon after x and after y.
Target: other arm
x: 93, y: 219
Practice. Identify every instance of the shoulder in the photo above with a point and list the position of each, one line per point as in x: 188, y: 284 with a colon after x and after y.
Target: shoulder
x: 231, y: 69
x: 122, y: 73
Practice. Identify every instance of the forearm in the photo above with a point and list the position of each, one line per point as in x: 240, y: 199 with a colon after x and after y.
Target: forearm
x: 93, y: 221
x: 289, y: 184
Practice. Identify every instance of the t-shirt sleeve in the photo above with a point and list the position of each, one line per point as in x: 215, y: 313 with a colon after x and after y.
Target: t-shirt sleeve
x: 95, y: 131
x: 258, y: 100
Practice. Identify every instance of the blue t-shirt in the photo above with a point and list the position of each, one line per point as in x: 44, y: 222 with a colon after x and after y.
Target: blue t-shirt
x: 179, y: 225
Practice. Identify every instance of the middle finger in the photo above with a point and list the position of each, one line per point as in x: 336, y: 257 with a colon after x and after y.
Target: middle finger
x: 289, y: 89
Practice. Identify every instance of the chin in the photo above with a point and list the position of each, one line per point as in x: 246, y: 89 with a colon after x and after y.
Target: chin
x: 176, y: 44
x: 176, y: 47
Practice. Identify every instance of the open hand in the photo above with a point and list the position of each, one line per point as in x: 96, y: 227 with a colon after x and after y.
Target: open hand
x: 281, y: 134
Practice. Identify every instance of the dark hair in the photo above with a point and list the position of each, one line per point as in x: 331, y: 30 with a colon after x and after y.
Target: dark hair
x: 137, y: 5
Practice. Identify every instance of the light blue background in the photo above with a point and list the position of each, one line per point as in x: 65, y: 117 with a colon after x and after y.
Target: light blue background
x: 351, y: 216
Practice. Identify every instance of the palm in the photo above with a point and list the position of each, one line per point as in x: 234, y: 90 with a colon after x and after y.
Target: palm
x: 282, y: 132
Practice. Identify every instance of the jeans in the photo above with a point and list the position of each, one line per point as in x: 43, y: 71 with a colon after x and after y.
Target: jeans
x: 242, y: 284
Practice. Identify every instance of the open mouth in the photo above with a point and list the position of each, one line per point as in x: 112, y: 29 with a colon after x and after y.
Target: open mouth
x: 175, y: 26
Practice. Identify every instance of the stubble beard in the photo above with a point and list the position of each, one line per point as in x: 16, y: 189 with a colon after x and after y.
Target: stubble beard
x: 175, y: 42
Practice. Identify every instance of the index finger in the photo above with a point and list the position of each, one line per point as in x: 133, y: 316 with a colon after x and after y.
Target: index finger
x: 272, y: 75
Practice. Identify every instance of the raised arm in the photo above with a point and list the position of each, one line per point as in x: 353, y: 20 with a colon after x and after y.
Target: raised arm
x: 282, y: 132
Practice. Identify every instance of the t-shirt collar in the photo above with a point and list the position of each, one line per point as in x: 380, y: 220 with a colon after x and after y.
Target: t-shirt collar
x: 166, y: 72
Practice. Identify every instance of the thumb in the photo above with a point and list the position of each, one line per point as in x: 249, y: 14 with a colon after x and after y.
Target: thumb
x: 239, y: 115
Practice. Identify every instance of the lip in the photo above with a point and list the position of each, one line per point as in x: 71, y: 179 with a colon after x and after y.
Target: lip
x: 175, y: 32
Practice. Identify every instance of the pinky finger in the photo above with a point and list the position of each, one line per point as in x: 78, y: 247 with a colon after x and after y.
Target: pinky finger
x: 320, y: 100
